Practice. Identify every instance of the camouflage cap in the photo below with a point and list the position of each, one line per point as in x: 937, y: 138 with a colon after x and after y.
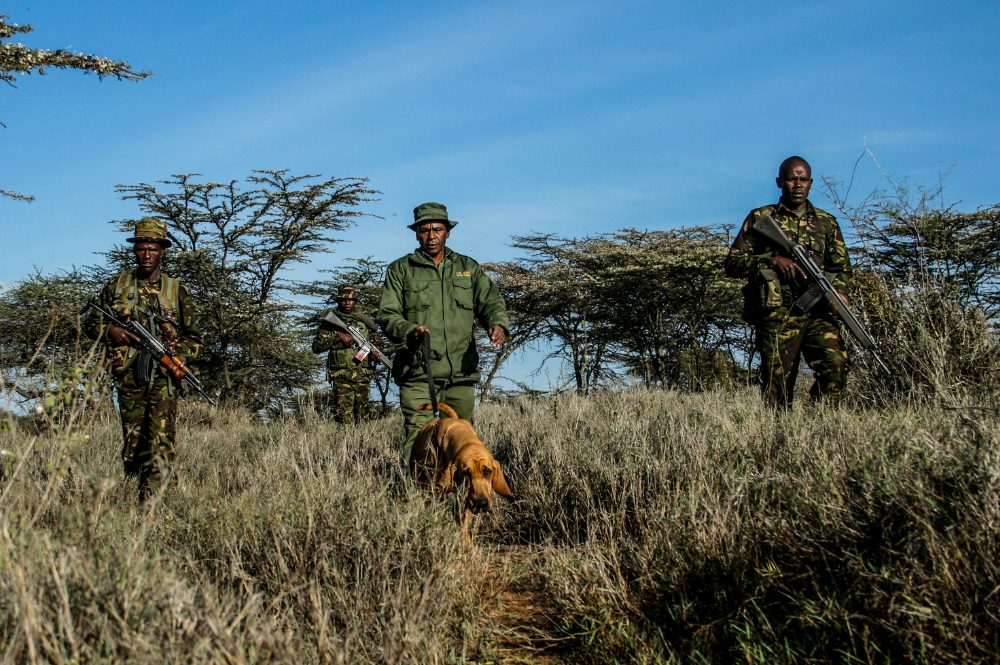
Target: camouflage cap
x: 431, y: 212
x: 346, y: 292
x: 150, y: 229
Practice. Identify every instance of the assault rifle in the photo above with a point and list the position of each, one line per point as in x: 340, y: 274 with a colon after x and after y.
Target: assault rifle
x: 361, y: 342
x: 818, y: 286
x: 157, y: 349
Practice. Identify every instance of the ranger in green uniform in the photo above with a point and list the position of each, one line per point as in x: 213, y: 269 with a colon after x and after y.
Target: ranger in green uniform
x: 147, y: 392
x: 351, y: 380
x: 444, y: 293
x: 774, y: 283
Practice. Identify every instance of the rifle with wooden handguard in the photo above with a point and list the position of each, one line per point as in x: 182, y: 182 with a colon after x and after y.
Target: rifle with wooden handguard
x: 157, y: 349
x: 818, y: 287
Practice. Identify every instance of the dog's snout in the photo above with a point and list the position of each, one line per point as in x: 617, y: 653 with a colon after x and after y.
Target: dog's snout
x: 480, y: 505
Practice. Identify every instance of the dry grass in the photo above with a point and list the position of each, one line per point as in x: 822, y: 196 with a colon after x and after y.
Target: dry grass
x: 650, y: 526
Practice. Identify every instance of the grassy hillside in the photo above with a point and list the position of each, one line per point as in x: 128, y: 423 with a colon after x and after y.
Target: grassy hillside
x: 649, y: 526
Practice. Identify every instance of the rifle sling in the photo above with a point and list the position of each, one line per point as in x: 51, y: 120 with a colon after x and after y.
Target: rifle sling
x: 431, y: 387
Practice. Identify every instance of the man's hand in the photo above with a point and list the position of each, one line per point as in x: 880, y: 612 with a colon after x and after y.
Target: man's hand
x: 843, y: 298
x: 120, y: 336
x: 346, y: 339
x: 179, y: 372
x: 786, y: 268
x: 497, y: 336
x: 420, y: 332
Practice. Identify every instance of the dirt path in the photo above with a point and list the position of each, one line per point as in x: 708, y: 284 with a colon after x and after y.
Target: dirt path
x: 524, y: 620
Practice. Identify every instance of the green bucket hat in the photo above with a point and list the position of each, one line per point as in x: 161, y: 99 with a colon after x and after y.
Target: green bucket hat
x: 150, y: 229
x: 431, y: 212
x: 346, y: 292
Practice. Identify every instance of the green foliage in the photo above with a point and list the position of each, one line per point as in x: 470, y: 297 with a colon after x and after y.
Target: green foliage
x: 39, y: 328
x: 654, y: 303
x: 527, y: 322
x: 233, y: 248
x: 914, y: 237
x: 928, y: 286
x: 673, y: 315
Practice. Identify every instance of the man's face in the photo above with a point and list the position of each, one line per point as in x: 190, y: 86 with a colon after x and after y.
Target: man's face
x: 148, y: 256
x: 347, y: 305
x: 432, y: 236
x: 795, y: 184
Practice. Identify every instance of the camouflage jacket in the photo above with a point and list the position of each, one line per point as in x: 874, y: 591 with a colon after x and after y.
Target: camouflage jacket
x: 449, y: 299
x: 340, y: 363
x: 163, y: 307
x: 750, y: 256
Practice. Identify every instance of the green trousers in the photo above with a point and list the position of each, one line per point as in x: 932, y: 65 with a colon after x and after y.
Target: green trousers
x: 459, y: 396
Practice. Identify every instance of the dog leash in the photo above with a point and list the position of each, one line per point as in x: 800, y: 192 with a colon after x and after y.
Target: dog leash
x: 430, y: 375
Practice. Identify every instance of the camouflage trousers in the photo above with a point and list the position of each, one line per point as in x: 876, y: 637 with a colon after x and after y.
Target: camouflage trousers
x: 350, y: 400
x: 149, y: 417
x: 781, y: 336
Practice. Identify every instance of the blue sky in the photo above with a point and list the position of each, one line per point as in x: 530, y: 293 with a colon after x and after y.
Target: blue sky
x: 567, y: 117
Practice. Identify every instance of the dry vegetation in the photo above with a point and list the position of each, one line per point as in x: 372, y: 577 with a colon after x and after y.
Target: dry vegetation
x: 650, y: 526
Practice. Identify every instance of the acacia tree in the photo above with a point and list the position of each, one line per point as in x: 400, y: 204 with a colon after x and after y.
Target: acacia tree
x: 927, y: 285
x: 654, y: 303
x: 675, y: 315
x: 40, y: 329
x: 553, y: 287
x: 18, y: 59
x: 526, y: 313
x: 911, y: 234
x: 233, y: 247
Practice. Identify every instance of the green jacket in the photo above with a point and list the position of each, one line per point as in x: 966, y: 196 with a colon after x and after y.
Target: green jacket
x: 449, y: 299
x: 750, y: 257
x: 340, y: 363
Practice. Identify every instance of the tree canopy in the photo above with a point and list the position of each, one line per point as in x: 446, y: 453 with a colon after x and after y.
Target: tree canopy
x: 232, y: 247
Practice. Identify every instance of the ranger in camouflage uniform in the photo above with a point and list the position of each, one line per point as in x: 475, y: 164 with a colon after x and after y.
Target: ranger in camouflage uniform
x: 351, y: 380
x: 774, y: 283
x: 147, y: 392
x: 438, y: 291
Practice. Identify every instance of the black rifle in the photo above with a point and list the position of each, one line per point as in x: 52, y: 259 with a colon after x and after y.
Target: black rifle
x: 157, y: 349
x: 818, y: 286
x: 361, y: 343
x: 431, y: 386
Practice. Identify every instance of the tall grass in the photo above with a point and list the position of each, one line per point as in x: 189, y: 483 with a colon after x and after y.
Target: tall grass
x: 649, y: 526
x: 701, y: 527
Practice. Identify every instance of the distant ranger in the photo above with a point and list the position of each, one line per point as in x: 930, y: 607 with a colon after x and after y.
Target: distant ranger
x: 147, y: 390
x: 350, y: 379
x: 442, y: 293
x: 775, y: 282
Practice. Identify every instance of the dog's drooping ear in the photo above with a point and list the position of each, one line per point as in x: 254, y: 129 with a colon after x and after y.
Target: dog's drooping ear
x: 499, y: 482
x: 446, y: 481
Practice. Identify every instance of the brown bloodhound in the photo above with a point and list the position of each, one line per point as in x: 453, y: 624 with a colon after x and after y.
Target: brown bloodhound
x: 448, y: 456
